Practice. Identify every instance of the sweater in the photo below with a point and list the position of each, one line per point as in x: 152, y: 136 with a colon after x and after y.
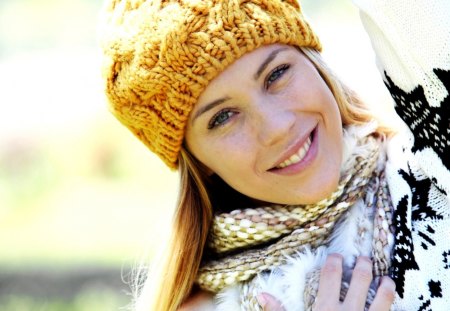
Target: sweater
x: 411, y: 39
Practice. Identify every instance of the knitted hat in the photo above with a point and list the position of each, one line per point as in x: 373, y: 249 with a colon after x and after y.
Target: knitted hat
x: 160, y: 56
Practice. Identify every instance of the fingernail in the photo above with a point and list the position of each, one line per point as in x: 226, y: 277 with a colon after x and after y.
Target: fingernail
x: 262, y: 300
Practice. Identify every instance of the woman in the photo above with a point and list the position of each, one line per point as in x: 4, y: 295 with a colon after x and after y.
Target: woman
x: 288, y: 161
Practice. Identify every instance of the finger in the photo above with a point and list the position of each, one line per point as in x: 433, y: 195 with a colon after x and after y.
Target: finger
x: 385, y: 295
x: 269, y: 303
x: 330, y: 282
x: 359, y: 285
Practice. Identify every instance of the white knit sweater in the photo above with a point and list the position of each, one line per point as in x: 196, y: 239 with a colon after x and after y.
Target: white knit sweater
x: 411, y: 39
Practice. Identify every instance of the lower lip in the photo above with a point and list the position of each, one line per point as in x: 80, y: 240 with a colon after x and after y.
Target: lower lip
x: 300, y: 166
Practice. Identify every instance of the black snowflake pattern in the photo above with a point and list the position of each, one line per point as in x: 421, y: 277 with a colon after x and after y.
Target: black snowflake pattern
x: 427, y: 240
x: 425, y: 305
x: 437, y: 187
x: 430, y: 125
x: 420, y: 194
x: 446, y: 259
x: 435, y: 290
x: 403, y: 254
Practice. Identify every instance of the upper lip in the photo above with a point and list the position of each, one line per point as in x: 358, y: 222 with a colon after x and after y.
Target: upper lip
x: 293, y: 148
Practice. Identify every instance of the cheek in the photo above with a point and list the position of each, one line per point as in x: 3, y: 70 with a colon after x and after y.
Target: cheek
x: 328, y: 105
x: 311, y: 92
x: 226, y: 155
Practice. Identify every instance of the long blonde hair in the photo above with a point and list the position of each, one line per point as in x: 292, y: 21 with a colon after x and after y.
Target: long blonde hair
x: 194, y: 212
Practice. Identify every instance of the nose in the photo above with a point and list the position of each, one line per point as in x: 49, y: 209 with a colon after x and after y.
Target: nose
x: 273, y: 123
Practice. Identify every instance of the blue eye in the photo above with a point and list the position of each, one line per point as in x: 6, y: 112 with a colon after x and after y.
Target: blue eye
x: 220, y: 118
x: 275, y: 74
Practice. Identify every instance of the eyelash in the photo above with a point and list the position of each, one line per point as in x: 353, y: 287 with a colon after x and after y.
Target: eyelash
x: 275, y: 74
x: 214, y: 120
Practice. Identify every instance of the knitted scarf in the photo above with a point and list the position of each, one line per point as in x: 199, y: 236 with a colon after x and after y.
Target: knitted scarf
x: 253, y: 240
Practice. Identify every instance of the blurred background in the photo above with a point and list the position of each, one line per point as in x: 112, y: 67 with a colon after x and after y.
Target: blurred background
x: 82, y: 202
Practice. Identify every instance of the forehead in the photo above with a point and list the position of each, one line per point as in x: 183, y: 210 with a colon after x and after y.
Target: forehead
x: 249, y: 64
x: 257, y: 56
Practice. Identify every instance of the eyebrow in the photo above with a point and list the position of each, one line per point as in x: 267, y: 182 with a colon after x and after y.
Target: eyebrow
x: 209, y: 106
x: 267, y: 61
x: 258, y: 73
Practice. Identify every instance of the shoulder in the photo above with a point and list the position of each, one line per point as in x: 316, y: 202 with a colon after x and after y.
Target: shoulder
x: 200, y: 301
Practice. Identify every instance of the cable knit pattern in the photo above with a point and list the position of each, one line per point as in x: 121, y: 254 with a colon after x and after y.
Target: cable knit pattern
x: 412, y: 41
x: 160, y: 56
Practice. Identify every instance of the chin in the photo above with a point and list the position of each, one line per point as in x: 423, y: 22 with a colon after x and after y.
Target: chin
x: 329, y: 187
x: 318, y: 192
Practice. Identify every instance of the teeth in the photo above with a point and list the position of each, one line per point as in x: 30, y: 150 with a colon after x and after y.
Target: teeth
x: 298, y: 156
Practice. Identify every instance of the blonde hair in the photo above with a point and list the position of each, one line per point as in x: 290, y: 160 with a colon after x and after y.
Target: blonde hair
x: 352, y: 109
x: 194, y: 211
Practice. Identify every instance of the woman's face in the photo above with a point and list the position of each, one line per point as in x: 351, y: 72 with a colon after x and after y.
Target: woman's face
x: 269, y: 127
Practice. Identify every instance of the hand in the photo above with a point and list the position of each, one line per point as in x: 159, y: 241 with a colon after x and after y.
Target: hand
x: 330, y: 286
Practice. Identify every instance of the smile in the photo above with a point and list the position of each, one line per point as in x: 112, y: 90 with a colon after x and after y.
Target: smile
x: 298, y: 156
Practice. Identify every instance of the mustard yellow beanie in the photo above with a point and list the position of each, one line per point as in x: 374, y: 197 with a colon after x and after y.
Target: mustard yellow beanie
x: 160, y: 55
